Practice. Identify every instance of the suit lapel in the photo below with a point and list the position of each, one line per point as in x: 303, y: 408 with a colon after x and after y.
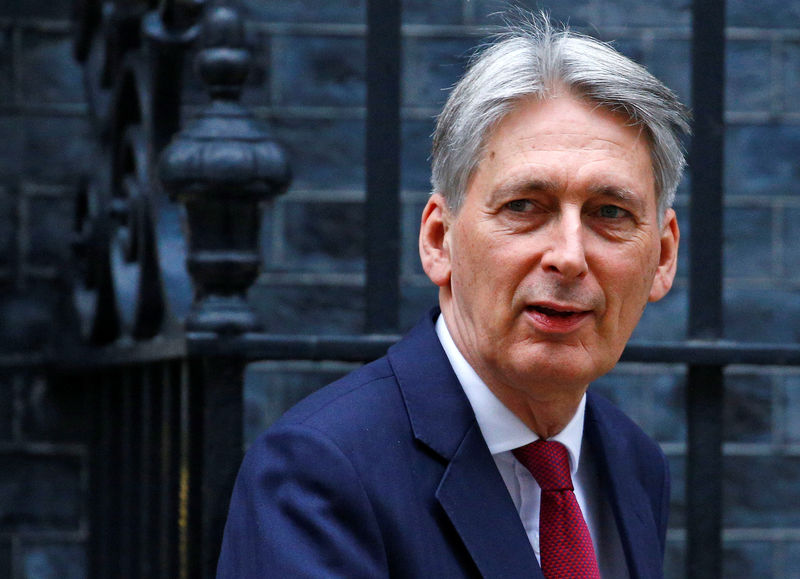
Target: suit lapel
x: 475, y: 498
x: 629, y: 500
x: 471, y: 491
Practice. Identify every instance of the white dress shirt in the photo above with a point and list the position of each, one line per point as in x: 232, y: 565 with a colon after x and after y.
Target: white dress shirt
x: 503, y: 431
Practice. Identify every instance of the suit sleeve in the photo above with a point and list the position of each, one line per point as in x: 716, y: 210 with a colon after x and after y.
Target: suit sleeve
x: 299, y: 510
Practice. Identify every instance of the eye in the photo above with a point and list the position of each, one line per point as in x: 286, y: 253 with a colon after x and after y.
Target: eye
x: 611, y: 212
x: 518, y: 205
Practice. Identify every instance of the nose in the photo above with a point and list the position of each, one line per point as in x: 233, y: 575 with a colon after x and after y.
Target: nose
x: 565, y: 254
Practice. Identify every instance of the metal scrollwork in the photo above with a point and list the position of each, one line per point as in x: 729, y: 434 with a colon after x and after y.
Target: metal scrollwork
x: 127, y: 238
x: 140, y: 299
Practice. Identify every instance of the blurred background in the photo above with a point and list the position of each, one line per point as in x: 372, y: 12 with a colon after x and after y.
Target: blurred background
x: 308, y: 82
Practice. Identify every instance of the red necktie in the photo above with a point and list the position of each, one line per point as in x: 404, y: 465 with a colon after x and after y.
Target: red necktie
x: 565, y: 545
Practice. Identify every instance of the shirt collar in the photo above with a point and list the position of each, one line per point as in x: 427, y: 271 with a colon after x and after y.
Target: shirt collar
x: 501, y: 429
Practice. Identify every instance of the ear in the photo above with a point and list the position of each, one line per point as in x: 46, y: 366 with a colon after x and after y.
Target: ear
x: 434, y: 246
x: 668, y: 262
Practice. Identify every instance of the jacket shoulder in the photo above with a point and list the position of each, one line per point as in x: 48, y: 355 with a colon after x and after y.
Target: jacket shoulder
x: 352, y: 410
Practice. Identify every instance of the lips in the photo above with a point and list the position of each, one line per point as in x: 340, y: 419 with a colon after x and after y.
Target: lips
x: 553, y: 312
x: 556, y: 319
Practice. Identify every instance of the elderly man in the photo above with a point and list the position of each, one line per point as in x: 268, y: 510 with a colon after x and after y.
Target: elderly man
x: 473, y: 447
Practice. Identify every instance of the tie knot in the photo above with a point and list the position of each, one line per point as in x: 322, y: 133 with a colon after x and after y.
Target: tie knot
x: 548, y: 462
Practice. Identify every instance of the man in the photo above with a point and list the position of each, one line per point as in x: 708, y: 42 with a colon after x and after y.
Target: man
x: 555, y: 163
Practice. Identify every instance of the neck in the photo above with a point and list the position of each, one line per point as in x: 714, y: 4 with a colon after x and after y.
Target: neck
x: 546, y: 417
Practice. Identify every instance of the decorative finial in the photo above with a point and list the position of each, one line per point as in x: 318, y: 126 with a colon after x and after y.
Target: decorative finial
x: 222, y: 167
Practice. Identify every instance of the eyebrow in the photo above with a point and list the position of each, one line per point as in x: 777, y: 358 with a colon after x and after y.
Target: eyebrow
x: 621, y: 194
x: 522, y: 186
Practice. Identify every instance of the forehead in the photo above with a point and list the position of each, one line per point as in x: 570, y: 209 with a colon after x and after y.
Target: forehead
x: 562, y: 138
x: 536, y: 123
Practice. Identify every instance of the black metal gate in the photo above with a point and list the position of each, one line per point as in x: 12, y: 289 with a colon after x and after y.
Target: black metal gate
x: 167, y: 437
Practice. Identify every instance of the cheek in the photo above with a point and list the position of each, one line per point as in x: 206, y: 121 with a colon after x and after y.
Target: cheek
x: 631, y: 272
x: 469, y: 277
x: 475, y: 259
x: 627, y: 283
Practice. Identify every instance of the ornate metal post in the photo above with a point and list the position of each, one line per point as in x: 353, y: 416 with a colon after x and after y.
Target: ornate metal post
x: 222, y: 168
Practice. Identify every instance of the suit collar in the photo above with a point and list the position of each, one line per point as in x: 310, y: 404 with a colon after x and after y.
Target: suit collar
x: 629, y: 500
x: 471, y: 491
x: 437, y: 407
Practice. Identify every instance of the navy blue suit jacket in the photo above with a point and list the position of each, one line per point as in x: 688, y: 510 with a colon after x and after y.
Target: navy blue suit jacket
x: 385, y: 473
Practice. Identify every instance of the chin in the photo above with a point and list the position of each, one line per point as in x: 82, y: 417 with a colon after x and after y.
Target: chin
x: 565, y: 371
x: 569, y: 380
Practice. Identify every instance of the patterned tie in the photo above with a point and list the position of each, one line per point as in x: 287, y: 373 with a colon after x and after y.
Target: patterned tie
x: 565, y: 545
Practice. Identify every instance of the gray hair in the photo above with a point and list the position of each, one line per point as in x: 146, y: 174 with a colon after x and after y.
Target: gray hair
x: 532, y: 59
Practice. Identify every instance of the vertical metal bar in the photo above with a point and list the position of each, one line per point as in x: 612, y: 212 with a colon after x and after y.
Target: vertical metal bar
x: 125, y: 485
x: 98, y: 483
x: 383, y: 165
x: 111, y: 476
x: 131, y: 466
x: 704, y: 473
x: 148, y: 472
x: 137, y: 405
x: 170, y: 469
x: 195, y: 470
x: 706, y: 163
x: 185, y: 562
x: 94, y: 547
x: 705, y: 387
x: 217, y: 408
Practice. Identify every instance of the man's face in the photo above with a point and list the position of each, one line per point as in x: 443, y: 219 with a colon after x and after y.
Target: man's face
x: 547, y: 266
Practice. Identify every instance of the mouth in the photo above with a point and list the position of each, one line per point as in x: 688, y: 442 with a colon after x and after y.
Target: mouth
x: 553, y: 312
x: 557, y: 319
